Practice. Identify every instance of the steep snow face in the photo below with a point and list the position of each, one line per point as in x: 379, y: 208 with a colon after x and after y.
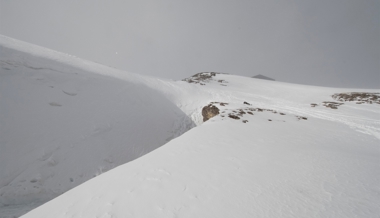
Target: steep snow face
x: 62, y: 123
x: 274, y: 150
x: 274, y: 165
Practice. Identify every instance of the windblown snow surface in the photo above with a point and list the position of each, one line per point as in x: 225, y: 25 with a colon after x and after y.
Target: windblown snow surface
x: 64, y: 122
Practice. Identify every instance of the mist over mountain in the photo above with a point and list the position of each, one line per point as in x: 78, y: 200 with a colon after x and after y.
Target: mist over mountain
x: 329, y: 43
x: 80, y: 139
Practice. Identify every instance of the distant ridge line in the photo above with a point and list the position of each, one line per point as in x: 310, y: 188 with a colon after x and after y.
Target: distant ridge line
x: 259, y: 76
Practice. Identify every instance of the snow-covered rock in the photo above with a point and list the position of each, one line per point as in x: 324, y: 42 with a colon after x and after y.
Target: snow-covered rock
x: 263, y: 77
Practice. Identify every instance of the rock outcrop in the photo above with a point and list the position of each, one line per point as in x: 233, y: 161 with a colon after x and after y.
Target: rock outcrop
x: 359, y: 97
x: 205, y: 77
x: 209, y: 111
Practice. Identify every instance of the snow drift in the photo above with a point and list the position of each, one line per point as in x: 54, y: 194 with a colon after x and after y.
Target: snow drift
x: 273, y: 149
x: 61, y: 125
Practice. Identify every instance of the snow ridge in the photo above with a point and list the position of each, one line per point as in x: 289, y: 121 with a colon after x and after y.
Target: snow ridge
x: 93, y: 135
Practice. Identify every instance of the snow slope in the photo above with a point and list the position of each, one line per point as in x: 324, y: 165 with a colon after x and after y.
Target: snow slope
x: 287, y: 159
x: 325, y: 166
x: 62, y: 122
x: 230, y: 169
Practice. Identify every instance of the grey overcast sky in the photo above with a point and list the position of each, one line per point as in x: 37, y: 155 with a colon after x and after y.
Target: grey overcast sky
x: 319, y: 42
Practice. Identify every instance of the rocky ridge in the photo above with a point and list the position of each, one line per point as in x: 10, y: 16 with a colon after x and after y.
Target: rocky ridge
x: 205, y: 77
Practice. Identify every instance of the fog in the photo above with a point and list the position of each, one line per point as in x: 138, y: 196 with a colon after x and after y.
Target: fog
x: 326, y: 43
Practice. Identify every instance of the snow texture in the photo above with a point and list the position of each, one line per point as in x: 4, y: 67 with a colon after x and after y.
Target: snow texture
x: 110, y: 144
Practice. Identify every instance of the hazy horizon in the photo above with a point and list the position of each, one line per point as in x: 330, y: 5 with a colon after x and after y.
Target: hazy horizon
x: 324, y: 43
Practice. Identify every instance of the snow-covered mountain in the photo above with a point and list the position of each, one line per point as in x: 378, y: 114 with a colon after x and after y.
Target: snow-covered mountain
x: 64, y: 121
x: 259, y: 76
x: 272, y: 150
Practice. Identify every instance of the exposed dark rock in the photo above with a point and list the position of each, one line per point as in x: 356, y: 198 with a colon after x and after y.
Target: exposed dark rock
x: 209, y: 111
x: 331, y: 104
x: 203, y: 78
x: 220, y: 103
x: 362, y: 97
x: 241, y: 112
x: 301, y: 118
x: 233, y: 116
x: 263, y: 77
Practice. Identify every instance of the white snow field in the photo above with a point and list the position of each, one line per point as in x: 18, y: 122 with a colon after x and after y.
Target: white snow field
x: 64, y: 122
